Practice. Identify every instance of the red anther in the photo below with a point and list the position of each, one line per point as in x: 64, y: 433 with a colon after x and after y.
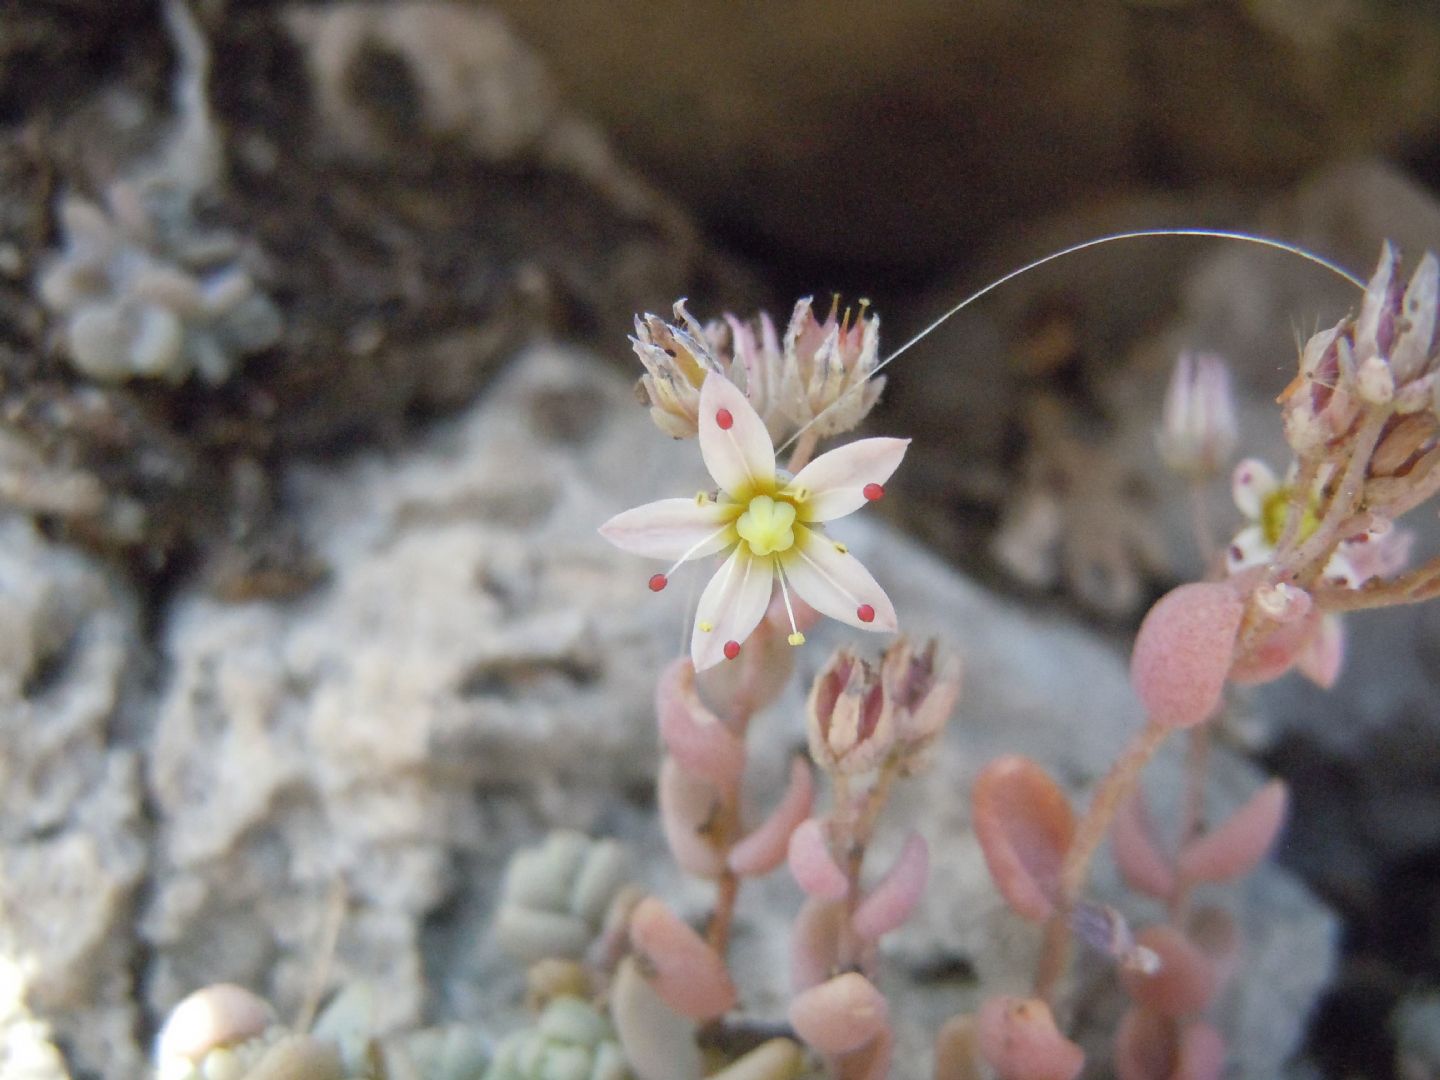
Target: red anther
x: 732, y: 650
x: 865, y: 613
x: 873, y: 492
x: 658, y: 582
x: 724, y: 419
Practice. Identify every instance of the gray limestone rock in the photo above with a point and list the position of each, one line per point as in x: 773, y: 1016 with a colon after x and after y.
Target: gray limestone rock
x: 72, y: 847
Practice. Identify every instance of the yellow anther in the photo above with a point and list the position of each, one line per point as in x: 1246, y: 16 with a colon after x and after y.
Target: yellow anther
x: 841, y: 548
x: 796, y: 638
x: 701, y: 498
x: 706, y: 627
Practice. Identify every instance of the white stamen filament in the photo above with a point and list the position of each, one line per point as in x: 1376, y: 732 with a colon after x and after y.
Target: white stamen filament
x: 785, y: 596
x: 829, y: 580
x: 694, y: 548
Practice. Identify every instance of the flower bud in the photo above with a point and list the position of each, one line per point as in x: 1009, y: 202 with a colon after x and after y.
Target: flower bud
x: 922, y: 689
x: 677, y: 359
x: 849, y: 720
x: 828, y: 365
x: 1198, y: 432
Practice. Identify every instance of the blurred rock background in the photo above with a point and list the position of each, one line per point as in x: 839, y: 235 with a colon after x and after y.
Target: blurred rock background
x: 198, y: 744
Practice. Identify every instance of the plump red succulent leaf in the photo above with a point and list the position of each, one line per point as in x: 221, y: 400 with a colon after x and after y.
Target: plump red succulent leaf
x: 694, y: 735
x: 1142, y: 864
x: 687, y: 804
x: 1183, y: 652
x: 1213, y: 931
x: 892, y: 900
x: 1025, y: 825
x: 870, y: 1062
x: 811, y: 863
x: 1144, y: 1046
x: 957, y: 1049
x: 1239, y: 844
x: 815, y: 942
x: 840, y: 1015
x: 659, y: 1043
x: 681, y: 967
x: 1183, y: 984
x: 1202, y: 1053
x: 765, y: 848
x: 1019, y: 1039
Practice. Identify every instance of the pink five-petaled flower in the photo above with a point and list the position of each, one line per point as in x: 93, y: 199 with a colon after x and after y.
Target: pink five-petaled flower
x: 770, y: 524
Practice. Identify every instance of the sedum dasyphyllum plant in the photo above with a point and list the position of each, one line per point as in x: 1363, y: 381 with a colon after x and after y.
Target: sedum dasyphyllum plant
x: 1362, y: 417
x: 623, y: 988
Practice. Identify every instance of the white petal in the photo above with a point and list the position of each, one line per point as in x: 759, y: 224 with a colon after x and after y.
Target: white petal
x: 742, y: 457
x: 1412, y: 349
x: 834, y: 482
x: 833, y: 582
x: 1249, y: 548
x: 732, y: 605
x: 669, y: 529
x: 1252, y: 484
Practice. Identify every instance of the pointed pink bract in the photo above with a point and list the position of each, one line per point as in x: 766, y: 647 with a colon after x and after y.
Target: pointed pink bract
x: 1184, y: 983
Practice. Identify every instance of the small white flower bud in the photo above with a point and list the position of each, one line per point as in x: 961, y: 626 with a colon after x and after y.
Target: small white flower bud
x: 1198, y: 430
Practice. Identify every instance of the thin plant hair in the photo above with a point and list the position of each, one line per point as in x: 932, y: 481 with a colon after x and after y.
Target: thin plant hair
x: 1084, y: 245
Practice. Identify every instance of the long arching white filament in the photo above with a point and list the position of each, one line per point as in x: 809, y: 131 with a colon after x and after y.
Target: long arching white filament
x: 1214, y: 234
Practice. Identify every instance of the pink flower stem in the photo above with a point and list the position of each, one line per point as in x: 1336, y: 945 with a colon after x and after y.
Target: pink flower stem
x: 1201, y: 527
x: 1114, y: 788
x: 1192, y: 822
x: 854, y: 828
x: 1315, y: 549
x: 727, y: 826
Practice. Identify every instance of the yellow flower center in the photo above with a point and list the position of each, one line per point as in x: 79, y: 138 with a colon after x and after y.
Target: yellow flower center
x: 767, y: 525
x: 1277, y: 508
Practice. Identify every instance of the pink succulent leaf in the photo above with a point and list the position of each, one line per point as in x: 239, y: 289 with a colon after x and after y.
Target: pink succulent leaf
x: 834, y: 583
x: 694, y: 736
x: 1142, y: 864
x: 1214, y: 932
x: 679, y: 964
x: 836, y: 480
x: 766, y: 847
x: 1276, y: 652
x: 739, y: 455
x: 812, y: 865
x: 891, y: 902
x: 1144, y: 1046
x: 1237, y: 846
x: 669, y: 529
x: 1183, y: 652
x: 1019, y: 1039
x: 1185, y: 981
x: 1025, y: 826
x: 840, y: 1015
x: 659, y: 1043
x: 1202, y: 1053
x: 1323, y: 653
x: 731, y: 606
x: 957, y: 1049
x: 870, y: 1062
x: 815, y: 942
x: 687, y: 806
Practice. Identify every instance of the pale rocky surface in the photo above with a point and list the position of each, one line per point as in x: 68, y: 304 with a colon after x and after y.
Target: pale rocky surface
x: 72, y: 848
x: 480, y: 666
